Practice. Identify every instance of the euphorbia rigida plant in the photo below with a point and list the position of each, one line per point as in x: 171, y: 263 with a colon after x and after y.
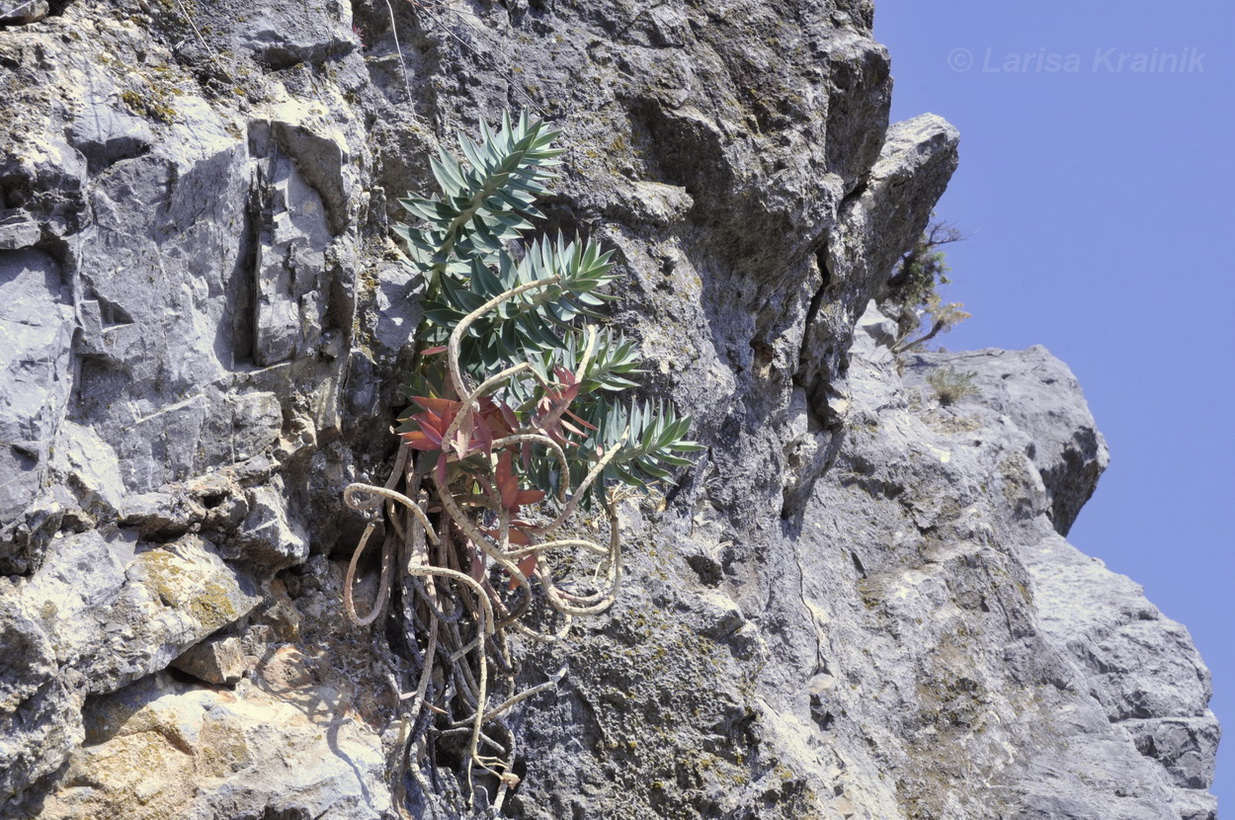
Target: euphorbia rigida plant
x: 517, y: 423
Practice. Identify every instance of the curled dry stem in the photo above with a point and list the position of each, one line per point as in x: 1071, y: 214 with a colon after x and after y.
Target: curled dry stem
x: 411, y: 527
x: 457, y: 375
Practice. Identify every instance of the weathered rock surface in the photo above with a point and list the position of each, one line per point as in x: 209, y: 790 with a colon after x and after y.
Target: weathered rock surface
x: 858, y: 603
x: 104, y: 610
x: 35, y: 332
x: 161, y: 749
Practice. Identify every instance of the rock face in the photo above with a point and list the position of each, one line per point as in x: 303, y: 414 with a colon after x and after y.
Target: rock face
x: 857, y: 603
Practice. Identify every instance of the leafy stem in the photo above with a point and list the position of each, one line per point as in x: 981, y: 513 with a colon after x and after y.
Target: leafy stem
x: 511, y: 432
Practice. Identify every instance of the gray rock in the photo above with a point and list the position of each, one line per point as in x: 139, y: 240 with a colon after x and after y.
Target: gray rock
x: 1015, y: 386
x: 1184, y: 746
x: 105, y: 133
x: 18, y: 230
x: 321, y: 157
x: 22, y: 12
x: 398, y: 309
x: 117, y: 610
x: 100, y: 613
x: 256, y: 422
x: 88, y: 465
x: 156, y: 743
x: 39, y: 725
x: 281, y: 37
x: 214, y: 660
x: 914, y: 655
x: 857, y: 603
x: 268, y: 538
x: 291, y: 255
x: 35, y: 383
x: 876, y: 227
x: 42, y: 177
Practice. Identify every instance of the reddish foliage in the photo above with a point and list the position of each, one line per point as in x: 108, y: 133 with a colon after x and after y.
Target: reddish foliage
x: 476, y: 433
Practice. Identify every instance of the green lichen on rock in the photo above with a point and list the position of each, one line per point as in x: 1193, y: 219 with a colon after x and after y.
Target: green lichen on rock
x: 195, y: 583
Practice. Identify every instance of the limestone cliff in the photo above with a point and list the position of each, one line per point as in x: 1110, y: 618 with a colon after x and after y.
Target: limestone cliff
x: 857, y: 603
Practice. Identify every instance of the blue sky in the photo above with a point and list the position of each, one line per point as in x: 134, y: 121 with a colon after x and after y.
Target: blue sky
x: 1099, y: 199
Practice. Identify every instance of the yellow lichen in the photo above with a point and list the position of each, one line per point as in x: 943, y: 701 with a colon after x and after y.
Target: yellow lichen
x: 181, y: 586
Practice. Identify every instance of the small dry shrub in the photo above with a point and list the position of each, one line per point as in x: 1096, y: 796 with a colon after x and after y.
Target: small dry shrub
x: 951, y: 385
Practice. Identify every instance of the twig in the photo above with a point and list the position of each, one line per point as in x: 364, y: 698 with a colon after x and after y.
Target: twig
x: 456, y: 336
x: 13, y: 11
x: 407, y: 85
